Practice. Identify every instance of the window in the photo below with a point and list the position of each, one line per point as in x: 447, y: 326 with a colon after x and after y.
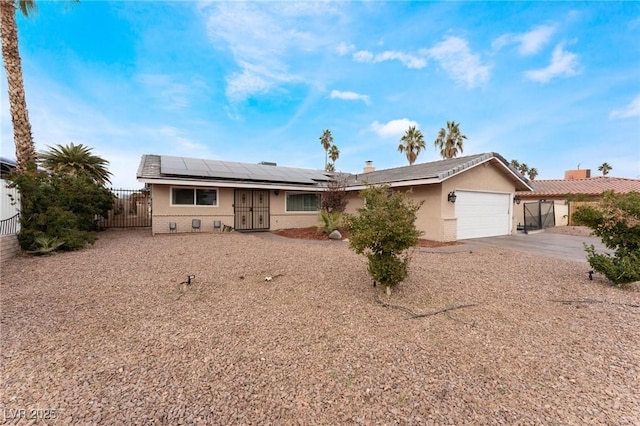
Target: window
x: 194, y: 197
x: 302, y: 202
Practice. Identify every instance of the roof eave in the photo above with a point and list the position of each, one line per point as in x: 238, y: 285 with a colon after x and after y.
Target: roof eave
x: 227, y: 184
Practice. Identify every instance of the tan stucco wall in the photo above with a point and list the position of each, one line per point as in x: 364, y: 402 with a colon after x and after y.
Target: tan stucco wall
x: 437, y: 217
x: 281, y: 219
x: 560, y: 206
x: 164, y: 213
x: 485, y: 177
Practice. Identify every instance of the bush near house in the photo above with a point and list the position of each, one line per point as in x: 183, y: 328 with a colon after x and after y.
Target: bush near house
x: 333, y: 202
x: 384, y: 230
x: 59, y: 209
x: 617, y: 222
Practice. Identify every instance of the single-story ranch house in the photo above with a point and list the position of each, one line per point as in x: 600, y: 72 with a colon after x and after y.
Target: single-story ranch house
x: 466, y: 197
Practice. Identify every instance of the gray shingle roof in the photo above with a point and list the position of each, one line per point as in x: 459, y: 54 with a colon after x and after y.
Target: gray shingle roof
x: 437, y: 171
x: 167, y: 167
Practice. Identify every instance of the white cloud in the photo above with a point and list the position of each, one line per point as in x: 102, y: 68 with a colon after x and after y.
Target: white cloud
x: 455, y: 57
x: 261, y: 37
x: 393, y: 128
x: 563, y: 64
x: 349, y: 96
x: 630, y: 110
x: 344, y: 48
x: 530, y: 42
x: 410, y: 61
x: 169, y: 92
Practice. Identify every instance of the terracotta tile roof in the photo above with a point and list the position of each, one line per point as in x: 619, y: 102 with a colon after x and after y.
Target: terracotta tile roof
x: 591, y: 186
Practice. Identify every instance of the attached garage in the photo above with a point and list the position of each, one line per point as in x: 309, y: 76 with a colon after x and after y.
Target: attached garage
x: 482, y: 214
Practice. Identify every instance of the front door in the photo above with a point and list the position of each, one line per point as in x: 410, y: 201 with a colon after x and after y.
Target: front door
x: 251, y: 210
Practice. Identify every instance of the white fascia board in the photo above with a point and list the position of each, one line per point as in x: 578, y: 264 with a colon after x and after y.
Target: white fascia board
x: 414, y: 182
x: 222, y: 184
x: 515, y: 177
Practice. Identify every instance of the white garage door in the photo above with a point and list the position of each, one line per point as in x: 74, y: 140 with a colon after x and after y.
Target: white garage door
x: 482, y: 214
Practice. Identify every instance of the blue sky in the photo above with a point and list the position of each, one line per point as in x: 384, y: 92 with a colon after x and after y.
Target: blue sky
x: 551, y: 84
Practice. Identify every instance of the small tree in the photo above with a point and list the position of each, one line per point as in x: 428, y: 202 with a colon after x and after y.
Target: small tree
x: 333, y: 201
x: 617, y: 222
x: 384, y: 230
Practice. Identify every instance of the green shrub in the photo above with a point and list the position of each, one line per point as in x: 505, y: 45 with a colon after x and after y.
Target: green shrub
x: 330, y: 220
x: 619, y: 269
x: 384, y: 230
x: 617, y: 222
x: 59, y: 208
x: 587, y: 216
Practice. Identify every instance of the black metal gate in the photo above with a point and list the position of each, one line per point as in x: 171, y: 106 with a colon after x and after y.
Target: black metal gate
x: 251, y: 210
x: 131, y: 209
x: 540, y: 215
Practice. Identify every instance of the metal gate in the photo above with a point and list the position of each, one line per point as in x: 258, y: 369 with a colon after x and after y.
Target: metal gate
x: 251, y: 210
x: 540, y: 215
x: 131, y: 209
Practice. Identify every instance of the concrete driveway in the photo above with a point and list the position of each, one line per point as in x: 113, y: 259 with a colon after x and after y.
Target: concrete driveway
x: 560, y: 246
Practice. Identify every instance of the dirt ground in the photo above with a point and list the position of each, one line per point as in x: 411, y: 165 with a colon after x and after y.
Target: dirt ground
x: 315, y: 233
x: 276, y: 331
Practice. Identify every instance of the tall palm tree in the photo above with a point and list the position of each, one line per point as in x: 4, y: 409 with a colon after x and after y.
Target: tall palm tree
x: 450, y: 141
x: 515, y: 164
x: 334, y: 154
x: 23, y: 139
x: 523, y: 169
x: 75, y: 159
x: 326, y: 140
x: 605, y: 168
x: 533, y: 173
x: 412, y: 143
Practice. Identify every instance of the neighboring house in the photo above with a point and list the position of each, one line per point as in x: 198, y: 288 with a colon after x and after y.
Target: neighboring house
x: 9, y: 211
x: 466, y: 197
x: 577, y: 188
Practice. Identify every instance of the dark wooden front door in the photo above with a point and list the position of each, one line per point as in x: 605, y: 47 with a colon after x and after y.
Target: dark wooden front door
x: 251, y: 209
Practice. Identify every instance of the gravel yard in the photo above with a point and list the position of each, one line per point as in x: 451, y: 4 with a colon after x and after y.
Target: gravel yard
x: 108, y: 335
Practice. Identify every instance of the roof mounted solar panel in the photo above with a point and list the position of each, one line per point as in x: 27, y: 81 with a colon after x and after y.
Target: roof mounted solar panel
x: 214, y: 169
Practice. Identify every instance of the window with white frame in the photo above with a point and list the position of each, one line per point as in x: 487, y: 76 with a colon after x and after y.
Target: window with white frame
x: 194, y: 196
x: 305, y: 202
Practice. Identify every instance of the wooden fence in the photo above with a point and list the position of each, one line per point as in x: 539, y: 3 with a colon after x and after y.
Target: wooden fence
x: 573, y: 205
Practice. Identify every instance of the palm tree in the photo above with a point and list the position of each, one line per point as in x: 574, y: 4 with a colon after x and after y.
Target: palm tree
x: 533, y: 173
x: 605, y: 168
x: 450, y: 141
x: 326, y: 140
x: 515, y: 164
x: 23, y: 139
x: 334, y: 154
x: 412, y: 143
x: 523, y: 169
x: 75, y: 159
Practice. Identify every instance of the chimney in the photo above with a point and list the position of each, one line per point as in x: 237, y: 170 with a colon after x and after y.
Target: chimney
x: 577, y: 174
x: 368, y: 167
